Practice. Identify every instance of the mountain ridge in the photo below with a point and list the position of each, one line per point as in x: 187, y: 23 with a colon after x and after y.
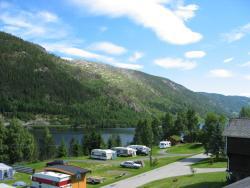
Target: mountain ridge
x: 32, y: 81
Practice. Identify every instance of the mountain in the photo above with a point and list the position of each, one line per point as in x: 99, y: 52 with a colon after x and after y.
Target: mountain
x: 34, y: 82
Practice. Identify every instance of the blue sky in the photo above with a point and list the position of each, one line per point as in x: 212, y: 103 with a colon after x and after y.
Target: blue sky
x: 201, y: 44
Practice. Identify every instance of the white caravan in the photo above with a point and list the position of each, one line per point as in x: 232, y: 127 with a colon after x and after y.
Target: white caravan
x: 140, y: 149
x: 164, y: 144
x: 103, y: 154
x: 124, y: 151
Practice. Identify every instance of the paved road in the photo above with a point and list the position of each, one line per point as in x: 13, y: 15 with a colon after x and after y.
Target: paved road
x: 174, y: 169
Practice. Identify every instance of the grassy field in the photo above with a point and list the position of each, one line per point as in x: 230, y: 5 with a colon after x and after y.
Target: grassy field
x: 211, y: 163
x: 207, y: 180
x: 189, y: 148
x: 111, y: 169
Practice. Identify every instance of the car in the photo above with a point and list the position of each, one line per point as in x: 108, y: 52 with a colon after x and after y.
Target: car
x: 56, y: 162
x: 130, y: 164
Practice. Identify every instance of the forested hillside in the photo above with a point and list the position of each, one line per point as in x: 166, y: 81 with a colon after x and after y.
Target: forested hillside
x: 33, y: 82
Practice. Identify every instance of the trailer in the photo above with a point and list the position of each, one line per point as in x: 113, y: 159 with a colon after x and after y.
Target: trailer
x: 103, y: 154
x: 124, y: 151
x: 164, y: 144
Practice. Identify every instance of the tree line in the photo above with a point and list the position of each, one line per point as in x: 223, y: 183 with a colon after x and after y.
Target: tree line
x: 17, y: 144
x: 187, y: 125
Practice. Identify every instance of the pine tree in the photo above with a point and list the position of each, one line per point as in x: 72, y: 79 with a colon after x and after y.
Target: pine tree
x: 167, y: 125
x: 157, y: 131
x: 3, y: 145
x: 47, y: 145
x: 118, y: 141
x: 192, y: 125
x: 75, y: 148
x: 62, y: 150
x: 213, y: 140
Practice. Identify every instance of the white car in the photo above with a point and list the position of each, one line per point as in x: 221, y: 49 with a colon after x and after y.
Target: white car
x: 130, y: 164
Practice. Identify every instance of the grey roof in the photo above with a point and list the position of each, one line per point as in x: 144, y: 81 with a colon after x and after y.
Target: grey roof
x: 239, y: 128
x: 70, y: 169
x: 244, y: 183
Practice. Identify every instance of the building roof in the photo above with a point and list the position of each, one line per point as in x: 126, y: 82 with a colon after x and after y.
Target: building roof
x: 67, y: 169
x: 49, y: 174
x: 239, y: 128
x: 4, y: 166
x: 244, y: 183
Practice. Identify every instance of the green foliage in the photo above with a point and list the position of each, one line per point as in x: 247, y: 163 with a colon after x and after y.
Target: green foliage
x: 62, y: 150
x: 157, y: 130
x: 192, y: 126
x: 245, y: 112
x: 74, y: 148
x: 19, y: 144
x: 213, y: 140
x: 3, y: 146
x: 168, y: 125
x: 92, y: 140
x: 143, y: 133
x: 114, y: 141
x: 47, y: 146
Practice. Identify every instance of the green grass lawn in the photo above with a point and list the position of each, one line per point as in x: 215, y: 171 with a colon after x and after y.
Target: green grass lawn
x: 208, y: 163
x: 111, y: 169
x: 207, y: 180
x: 18, y: 177
x: 189, y: 148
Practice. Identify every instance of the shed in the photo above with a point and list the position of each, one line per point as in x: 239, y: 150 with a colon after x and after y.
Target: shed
x: 6, y: 172
x: 3, y: 185
x: 77, y: 174
x: 237, y: 148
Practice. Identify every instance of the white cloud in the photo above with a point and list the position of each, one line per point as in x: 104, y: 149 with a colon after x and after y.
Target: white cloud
x: 108, y: 47
x: 221, y: 73
x: 48, y: 16
x: 103, y: 28
x: 247, y: 77
x: 136, y: 56
x: 168, y: 25
x: 186, y: 12
x: 248, y: 53
x: 247, y: 64
x: 80, y: 53
x: 129, y: 66
x: 195, y: 54
x: 31, y: 25
x: 238, y: 33
x: 175, y: 63
x: 228, y: 60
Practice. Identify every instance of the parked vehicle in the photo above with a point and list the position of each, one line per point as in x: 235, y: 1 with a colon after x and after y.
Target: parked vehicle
x: 130, y: 164
x: 164, y: 144
x: 103, y: 154
x: 140, y: 149
x: 57, y: 162
x: 124, y: 151
x: 95, y: 179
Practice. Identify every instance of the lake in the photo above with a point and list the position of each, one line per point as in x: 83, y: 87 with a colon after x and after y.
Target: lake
x: 126, y: 134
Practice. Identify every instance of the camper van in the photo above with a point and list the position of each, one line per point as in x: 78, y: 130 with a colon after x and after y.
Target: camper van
x: 124, y: 151
x: 103, y: 154
x: 140, y: 149
x: 164, y: 144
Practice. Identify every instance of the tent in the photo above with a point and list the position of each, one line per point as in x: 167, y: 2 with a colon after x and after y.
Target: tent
x: 6, y: 172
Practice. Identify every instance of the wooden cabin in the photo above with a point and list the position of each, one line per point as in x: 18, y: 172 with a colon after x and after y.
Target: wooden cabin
x: 77, y: 174
x: 238, y: 148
